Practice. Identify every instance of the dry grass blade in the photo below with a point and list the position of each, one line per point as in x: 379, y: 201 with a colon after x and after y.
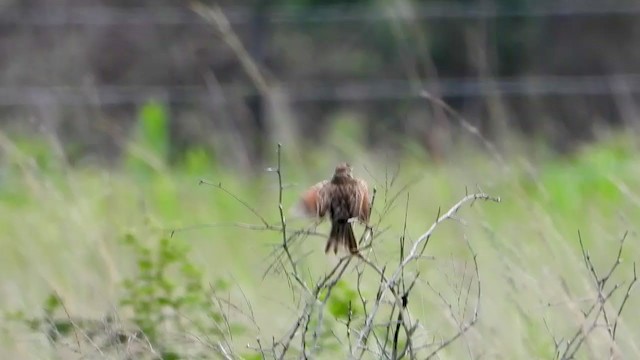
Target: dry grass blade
x: 215, y: 16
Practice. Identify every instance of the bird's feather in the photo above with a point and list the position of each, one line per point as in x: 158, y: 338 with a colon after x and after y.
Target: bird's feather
x: 313, y: 202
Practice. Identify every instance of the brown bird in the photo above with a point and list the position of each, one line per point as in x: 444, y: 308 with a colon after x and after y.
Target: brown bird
x: 346, y: 199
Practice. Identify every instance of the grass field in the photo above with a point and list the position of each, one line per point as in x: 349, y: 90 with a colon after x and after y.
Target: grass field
x: 62, y: 231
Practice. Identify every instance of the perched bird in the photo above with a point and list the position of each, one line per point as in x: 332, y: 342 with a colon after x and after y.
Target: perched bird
x: 345, y: 198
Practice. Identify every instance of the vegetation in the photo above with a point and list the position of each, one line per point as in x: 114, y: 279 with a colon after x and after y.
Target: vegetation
x: 168, y: 230
x: 552, y: 68
x: 144, y: 258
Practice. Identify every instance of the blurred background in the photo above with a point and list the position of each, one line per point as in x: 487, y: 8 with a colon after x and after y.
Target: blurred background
x: 547, y: 71
x: 111, y: 111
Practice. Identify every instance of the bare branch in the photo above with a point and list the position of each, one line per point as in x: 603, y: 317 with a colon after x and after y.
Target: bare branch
x: 598, y: 308
x: 244, y: 203
x: 476, y: 310
x: 414, y: 254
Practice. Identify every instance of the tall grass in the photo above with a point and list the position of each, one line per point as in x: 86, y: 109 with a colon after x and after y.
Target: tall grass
x: 62, y: 229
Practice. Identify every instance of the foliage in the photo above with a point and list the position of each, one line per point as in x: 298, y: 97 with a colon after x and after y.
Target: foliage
x: 167, y: 293
x: 343, y: 302
x: 166, y: 296
x: 65, y: 230
x: 149, y: 145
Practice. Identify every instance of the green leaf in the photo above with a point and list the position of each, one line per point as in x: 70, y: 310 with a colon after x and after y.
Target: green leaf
x: 51, y: 304
x: 252, y: 356
x: 154, y: 128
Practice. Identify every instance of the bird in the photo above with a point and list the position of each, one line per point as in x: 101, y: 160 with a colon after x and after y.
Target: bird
x: 345, y: 199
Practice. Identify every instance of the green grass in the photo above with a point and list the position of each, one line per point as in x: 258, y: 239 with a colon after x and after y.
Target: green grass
x: 61, y: 230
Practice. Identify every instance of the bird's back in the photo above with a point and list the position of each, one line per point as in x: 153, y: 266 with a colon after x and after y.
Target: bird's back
x: 344, y: 199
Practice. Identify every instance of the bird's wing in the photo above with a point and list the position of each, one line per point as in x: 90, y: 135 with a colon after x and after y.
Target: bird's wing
x: 314, y: 200
x: 364, y: 206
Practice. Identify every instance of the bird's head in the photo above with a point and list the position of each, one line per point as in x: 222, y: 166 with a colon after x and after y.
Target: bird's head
x: 343, y: 170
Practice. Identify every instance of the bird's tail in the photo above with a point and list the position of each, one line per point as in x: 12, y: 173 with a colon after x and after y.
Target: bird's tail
x: 342, y: 235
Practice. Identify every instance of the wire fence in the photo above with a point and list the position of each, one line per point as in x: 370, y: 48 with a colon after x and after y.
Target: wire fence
x: 54, y: 17
x: 237, y: 15
x: 377, y: 90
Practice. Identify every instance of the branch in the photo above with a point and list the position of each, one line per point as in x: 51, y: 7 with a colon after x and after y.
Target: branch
x: 414, y: 254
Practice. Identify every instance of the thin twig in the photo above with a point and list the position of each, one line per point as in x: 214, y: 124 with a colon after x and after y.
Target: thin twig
x: 414, y: 253
x: 244, y: 203
x: 476, y: 310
